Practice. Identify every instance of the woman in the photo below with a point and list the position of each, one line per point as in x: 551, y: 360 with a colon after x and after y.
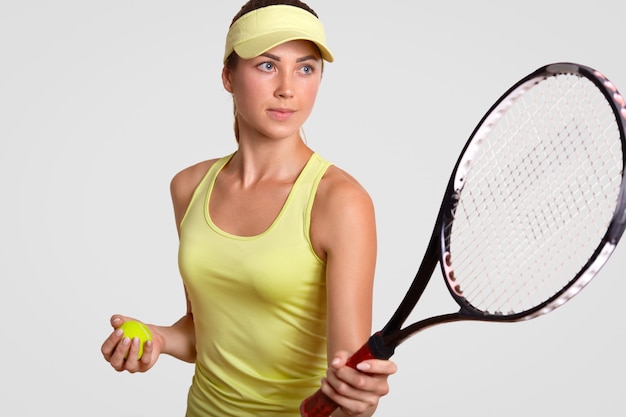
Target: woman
x: 277, y: 246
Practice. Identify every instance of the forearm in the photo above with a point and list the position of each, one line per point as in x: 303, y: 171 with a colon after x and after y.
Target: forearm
x: 179, y: 340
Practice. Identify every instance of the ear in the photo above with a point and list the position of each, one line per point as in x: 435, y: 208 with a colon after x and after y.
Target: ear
x: 226, y: 80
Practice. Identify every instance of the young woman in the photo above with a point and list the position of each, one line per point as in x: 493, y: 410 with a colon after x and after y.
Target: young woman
x: 277, y: 246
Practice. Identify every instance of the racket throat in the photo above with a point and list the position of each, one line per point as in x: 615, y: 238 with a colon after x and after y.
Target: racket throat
x: 378, y: 348
x: 396, y: 338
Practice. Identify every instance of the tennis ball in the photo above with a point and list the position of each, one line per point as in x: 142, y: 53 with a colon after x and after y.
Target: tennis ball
x: 134, y: 329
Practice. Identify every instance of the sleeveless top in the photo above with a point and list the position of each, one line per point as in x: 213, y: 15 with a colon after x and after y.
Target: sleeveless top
x: 258, y: 303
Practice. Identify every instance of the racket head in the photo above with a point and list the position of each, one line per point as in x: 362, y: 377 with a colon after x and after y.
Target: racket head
x: 536, y: 203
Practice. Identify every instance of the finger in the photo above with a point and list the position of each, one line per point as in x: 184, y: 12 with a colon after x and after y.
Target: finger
x: 118, y: 359
x: 338, y: 362
x: 109, y: 345
x: 361, y: 385
x: 117, y: 320
x: 349, y: 399
x: 133, y: 351
x: 348, y: 382
x: 377, y: 366
x: 340, y: 359
x: 146, y: 357
x: 131, y: 362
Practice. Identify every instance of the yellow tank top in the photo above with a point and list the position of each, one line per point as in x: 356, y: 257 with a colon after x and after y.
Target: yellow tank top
x: 259, y: 306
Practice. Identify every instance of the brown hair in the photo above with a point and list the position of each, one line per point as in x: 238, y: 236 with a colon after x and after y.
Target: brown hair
x: 231, y: 61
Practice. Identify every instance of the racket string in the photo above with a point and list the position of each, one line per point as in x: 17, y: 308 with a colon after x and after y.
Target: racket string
x: 513, y: 240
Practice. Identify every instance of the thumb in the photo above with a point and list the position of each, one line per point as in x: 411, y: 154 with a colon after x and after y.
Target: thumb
x: 117, y: 320
x: 340, y: 359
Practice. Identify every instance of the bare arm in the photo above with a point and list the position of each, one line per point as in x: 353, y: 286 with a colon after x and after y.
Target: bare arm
x: 344, y: 233
x: 180, y: 340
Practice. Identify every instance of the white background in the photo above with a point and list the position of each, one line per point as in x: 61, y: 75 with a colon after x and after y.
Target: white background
x: 102, y: 102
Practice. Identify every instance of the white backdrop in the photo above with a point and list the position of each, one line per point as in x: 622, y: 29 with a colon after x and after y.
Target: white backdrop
x: 102, y: 102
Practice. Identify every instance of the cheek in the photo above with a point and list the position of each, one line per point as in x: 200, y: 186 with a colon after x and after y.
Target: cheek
x: 246, y: 94
x: 310, y: 92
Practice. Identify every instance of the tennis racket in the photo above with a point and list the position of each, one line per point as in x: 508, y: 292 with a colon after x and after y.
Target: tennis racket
x: 534, y: 208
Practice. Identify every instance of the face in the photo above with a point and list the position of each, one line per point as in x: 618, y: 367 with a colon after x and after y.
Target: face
x: 274, y: 93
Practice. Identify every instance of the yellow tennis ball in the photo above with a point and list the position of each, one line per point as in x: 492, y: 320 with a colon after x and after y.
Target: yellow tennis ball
x: 134, y: 329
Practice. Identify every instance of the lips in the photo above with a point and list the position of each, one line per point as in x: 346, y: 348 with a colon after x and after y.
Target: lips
x: 281, y: 114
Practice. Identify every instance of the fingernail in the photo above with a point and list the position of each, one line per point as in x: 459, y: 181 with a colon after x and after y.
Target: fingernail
x: 363, y: 366
x: 335, y: 361
x: 119, y: 332
x: 117, y: 320
x: 126, y: 341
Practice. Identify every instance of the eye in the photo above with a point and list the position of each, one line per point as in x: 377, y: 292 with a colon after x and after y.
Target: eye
x: 307, y: 69
x: 266, y: 66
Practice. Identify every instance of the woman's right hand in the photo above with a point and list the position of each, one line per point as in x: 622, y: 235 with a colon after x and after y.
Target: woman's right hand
x: 117, y: 347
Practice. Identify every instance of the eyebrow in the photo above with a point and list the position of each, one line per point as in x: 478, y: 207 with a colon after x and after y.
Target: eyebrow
x: 305, y: 58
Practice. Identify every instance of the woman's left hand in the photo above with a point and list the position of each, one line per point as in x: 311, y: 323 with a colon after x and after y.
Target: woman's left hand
x: 357, y: 391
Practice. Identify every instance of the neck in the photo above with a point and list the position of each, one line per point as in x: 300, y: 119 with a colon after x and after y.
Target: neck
x: 282, y: 161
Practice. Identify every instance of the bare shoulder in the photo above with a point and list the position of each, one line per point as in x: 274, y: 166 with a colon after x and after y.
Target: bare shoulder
x: 342, y: 212
x: 183, y: 185
x: 340, y: 189
x: 189, y: 178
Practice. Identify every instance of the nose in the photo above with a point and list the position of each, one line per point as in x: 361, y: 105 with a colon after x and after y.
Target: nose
x: 285, y: 87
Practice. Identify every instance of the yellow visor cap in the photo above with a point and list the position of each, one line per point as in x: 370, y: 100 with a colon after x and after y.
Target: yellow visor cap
x: 260, y: 30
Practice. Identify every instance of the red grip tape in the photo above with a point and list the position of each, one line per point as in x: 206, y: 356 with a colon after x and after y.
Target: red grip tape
x: 319, y: 404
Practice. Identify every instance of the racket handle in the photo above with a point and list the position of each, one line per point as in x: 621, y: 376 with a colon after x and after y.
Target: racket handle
x: 319, y: 404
